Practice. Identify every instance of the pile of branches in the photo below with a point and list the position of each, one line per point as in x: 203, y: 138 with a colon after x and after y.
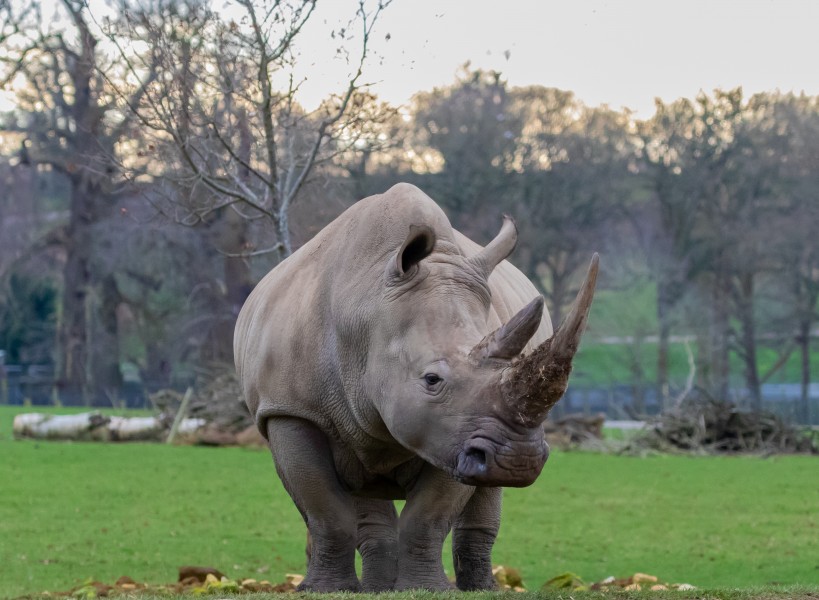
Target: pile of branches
x: 219, y: 402
x: 705, y: 425
x: 574, y: 430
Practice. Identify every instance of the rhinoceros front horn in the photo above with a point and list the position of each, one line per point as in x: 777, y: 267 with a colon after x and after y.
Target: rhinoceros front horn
x: 534, y: 383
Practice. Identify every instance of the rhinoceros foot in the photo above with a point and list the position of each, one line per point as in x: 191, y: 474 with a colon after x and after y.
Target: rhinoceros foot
x: 433, y: 585
x: 476, y: 581
x: 329, y: 585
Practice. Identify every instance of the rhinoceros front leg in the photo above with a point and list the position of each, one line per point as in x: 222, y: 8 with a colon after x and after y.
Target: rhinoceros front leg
x: 473, y: 537
x: 305, y: 464
x: 377, y: 543
x: 433, y: 502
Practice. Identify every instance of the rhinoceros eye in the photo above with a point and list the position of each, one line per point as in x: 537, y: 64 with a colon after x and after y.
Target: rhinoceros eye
x: 432, y: 379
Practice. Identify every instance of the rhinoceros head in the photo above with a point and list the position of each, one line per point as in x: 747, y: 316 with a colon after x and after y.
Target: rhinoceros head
x: 453, y: 383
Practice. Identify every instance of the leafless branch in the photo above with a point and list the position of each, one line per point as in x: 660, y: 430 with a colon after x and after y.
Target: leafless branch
x: 273, y: 250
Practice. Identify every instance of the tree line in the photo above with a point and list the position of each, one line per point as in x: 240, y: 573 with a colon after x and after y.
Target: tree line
x: 159, y: 162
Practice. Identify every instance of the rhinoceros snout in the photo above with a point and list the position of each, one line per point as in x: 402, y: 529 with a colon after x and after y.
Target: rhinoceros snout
x: 483, y: 463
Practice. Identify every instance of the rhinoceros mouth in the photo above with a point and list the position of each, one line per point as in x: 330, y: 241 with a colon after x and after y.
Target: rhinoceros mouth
x: 483, y: 462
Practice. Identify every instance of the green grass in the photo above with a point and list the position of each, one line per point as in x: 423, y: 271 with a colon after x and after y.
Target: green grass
x: 70, y: 511
x: 632, y: 312
x: 607, y: 364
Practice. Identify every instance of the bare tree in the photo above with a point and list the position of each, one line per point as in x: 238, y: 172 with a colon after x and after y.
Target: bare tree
x: 69, y: 123
x: 223, y: 114
x: 222, y: 125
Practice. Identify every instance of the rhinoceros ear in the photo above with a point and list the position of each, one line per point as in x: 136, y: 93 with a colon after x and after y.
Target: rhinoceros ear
x: 418, y: 245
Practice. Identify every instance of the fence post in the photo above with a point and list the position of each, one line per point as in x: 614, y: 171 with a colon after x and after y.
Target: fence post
x: 180, y: 414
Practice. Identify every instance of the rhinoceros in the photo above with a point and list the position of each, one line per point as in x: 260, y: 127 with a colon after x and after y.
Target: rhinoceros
x: 389, y: 358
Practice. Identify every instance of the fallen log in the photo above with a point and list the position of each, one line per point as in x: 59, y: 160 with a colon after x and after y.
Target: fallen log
x: 93, y: 426
x: 82, y: 427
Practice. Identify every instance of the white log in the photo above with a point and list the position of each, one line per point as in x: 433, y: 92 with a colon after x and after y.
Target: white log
x: 189, y: 426
x: 96, y: 427
x: 131, y: 429
x: 83, y: 426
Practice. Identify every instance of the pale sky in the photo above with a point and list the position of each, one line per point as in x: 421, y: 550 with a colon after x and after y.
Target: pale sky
x: 620, y: 52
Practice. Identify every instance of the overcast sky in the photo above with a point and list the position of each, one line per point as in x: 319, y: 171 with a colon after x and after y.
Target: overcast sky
x: 619, y: 52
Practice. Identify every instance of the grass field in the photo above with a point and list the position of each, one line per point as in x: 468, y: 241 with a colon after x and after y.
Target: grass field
x: 72, y: 511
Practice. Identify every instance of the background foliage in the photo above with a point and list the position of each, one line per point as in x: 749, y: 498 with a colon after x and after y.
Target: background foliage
x: 159, y: 162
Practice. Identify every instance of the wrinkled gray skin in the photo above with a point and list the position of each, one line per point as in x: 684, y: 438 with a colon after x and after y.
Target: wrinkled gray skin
x: 369, y: 362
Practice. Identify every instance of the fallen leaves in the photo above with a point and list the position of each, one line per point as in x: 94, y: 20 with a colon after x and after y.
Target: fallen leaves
x: 192, y: 580
x: 206, y: 581
x: 508, y: 578
x: 637, y: 582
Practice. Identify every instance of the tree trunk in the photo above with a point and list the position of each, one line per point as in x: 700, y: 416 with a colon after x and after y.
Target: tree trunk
x: 233, y: 241
x: 664, y: 304
x: 712, y: 357
x: 104, y: 353
x: 721, y: 362
x: 157, y: 372
x: 88, y: 354
x: 72, y: 347
x: 745, y: 301
x: 638, y: 390
x: 238, y: 282
x: 804, y: 392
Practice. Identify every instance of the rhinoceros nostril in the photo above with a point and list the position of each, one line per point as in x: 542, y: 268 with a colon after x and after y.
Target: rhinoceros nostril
x: 477, y: 455
x: 473, y: 462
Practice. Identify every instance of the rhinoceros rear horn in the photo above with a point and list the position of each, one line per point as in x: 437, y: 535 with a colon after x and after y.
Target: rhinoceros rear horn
x: 538, y: 380
x: 418, y: 245
x: 498, y: 249
x: 510, y: 339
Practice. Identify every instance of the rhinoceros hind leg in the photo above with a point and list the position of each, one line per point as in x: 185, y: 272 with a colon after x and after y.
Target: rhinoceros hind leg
x: 472, y: 539
x: 433, y: 502
x: 377, y: 543
x: 305, y: 465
